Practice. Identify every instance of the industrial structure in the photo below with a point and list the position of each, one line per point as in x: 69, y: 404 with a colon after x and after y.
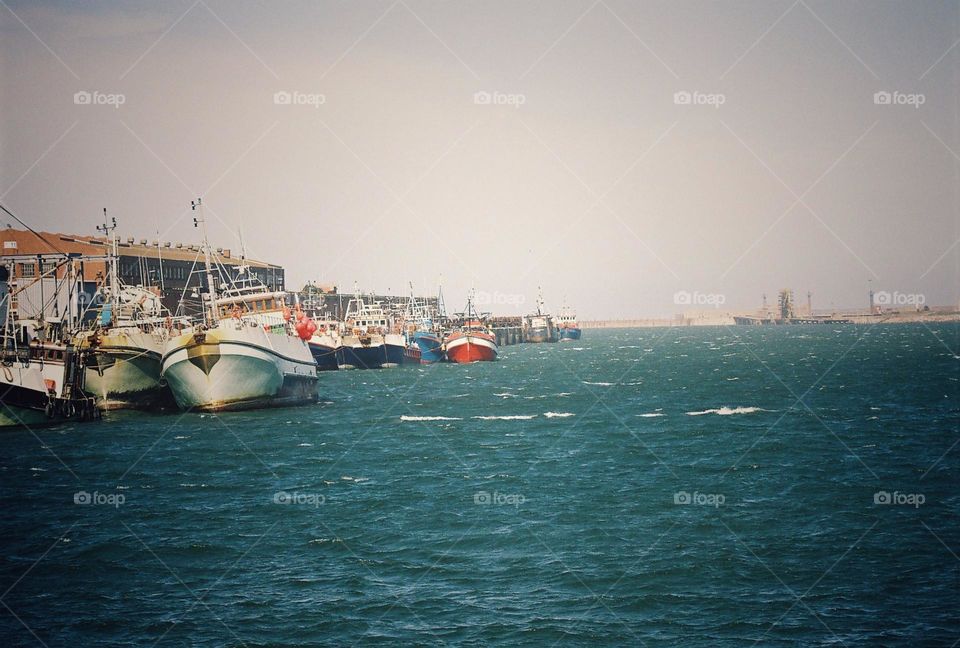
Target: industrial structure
x: 172, y: 270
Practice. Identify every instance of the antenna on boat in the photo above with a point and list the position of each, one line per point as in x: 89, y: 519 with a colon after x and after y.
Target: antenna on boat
x: 109, y: 228
x: 242, y: 269
x: 198, y: 220
x: 160, y: 261
x: 441, y: 307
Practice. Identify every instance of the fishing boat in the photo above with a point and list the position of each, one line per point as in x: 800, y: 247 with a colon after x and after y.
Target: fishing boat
x: 471, y: 340
x: 326, y: 341
x: 363, y: 345
x: 124, y: 346
x: 424, y: 336
x: 325, y: 344
x: 567, y: 327
x: 41, y: 372
x: 247, y: 353
x: 538, y: 327
x: 395, y: 345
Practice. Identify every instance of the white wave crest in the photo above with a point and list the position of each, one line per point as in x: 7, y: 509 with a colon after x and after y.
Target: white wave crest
x: 558, y: 414
x: 429, y: 418
x: 728, y: 411
x: 511, y: 417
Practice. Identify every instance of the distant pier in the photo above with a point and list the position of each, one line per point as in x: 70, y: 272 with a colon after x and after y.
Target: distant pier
x: 509, y: 330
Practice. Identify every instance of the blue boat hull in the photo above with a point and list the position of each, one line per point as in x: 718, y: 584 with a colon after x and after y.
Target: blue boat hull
x: 371, y: 357
x: 569, y: 334
x: 430, y: 347
x: 394, y: 354
x: 324, y: 356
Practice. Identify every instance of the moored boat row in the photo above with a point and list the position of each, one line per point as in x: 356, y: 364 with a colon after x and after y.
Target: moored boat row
x: 245, y: 346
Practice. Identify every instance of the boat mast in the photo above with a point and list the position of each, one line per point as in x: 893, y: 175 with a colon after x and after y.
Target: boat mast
x: 197, y: 206
x: 109, y: 228
x: 160, y: 261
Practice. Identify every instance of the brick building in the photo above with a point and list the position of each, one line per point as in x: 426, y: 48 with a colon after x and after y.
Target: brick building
x: 174, y: 269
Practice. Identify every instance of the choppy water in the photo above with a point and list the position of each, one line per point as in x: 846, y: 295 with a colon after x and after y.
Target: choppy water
x: 538, y: 500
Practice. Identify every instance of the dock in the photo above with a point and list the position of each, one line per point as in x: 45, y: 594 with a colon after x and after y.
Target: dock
x: 509, y: 330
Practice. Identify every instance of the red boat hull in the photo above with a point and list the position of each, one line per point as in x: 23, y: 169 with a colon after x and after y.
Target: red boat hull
x: 471, y: 348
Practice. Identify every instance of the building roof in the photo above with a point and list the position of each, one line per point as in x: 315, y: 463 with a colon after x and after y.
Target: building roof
x: 26, y: 242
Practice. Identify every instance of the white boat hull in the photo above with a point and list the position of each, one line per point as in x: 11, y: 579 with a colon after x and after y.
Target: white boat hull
x: 31, y: 395
x: 239, y: 367
x: 124, y: 371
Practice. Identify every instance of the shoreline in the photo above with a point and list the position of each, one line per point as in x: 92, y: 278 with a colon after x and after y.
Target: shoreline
x: 727, y: 320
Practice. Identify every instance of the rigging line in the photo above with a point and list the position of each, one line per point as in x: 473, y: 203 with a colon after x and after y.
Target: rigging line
x: 35, y: 233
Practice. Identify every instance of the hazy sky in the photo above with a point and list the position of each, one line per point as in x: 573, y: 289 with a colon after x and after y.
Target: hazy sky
x: 586, y: 173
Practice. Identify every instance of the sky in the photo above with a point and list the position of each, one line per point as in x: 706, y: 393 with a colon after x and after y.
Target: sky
x: 632, y: 159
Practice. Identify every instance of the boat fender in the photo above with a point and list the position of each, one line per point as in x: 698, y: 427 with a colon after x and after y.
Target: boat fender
x: 48, y: 410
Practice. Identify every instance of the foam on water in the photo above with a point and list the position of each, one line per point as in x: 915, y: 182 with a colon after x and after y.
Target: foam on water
x: 493, y: 531
x: 729, y: 411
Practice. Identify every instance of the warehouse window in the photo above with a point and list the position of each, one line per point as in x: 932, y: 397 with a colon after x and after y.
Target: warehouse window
x: 28, y: 270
